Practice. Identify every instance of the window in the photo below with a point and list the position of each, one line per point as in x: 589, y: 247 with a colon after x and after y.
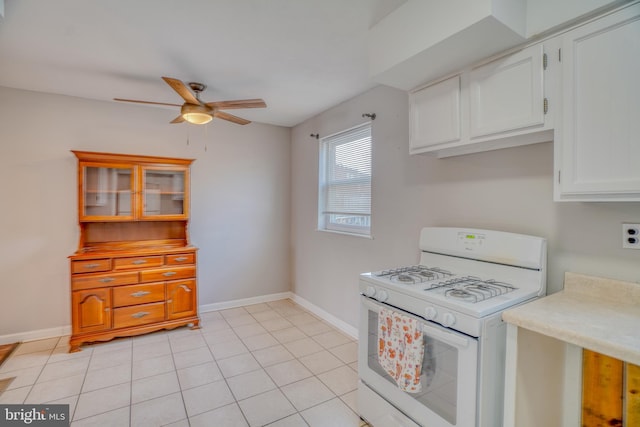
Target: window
x: 344, y: 203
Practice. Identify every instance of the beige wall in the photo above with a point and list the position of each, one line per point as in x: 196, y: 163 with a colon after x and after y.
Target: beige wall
x: 509, y: 189
x: 240, y: 200
x: 255, y: 194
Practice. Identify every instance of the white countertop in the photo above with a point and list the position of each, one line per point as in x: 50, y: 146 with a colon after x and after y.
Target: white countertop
x: 599, y: 314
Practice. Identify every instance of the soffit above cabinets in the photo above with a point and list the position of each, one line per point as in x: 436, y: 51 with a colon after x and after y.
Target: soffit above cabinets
x: 423, y: 40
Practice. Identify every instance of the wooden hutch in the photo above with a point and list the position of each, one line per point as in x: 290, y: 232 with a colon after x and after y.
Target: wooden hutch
x: 134, y: 271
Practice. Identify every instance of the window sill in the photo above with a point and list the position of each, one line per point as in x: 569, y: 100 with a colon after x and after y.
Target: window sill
x: 346, y: 233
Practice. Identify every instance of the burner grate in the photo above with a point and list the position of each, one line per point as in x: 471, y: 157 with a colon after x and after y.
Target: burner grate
x: 471, y: 289
x: 414, y: 274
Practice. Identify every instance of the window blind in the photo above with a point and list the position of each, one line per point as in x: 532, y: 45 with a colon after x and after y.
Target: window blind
x: 345, y: 181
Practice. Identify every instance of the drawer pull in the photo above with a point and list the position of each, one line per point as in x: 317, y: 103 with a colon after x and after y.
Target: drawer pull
x: 169, y: 274
x: 140, y: 294
x: 139, y: 261
x: 89, y: 266
x: 186, y: 288
x: 181, y: 258
x: 107, y: 309
x: 106, y: 280
x: 140, y: 314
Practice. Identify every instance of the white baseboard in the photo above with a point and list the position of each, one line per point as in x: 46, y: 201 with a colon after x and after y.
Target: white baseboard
x: 326, y: 316
x: 244, y: 301
x: 39, y: 334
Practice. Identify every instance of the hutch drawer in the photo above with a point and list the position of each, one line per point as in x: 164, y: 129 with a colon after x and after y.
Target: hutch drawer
x: 138, y: 294
x: 90, y: 266
x: 88, y: 281
x: 138, y: 315
x: 180, y: 259
x: 175, y: 273
x: 137, y: 262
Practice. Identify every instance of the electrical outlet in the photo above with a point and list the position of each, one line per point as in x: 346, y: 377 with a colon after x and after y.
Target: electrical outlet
x: 630, y: 236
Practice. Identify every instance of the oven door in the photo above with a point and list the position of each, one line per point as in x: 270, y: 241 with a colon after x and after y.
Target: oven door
x: 449, y: 373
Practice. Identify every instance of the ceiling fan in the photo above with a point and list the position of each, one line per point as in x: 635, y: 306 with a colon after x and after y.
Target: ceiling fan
x: 198, y: 112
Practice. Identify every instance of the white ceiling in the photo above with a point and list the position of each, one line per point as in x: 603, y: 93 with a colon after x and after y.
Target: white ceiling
x: 300, y: 56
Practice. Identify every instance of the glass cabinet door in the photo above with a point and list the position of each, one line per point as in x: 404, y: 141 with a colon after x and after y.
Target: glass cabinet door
x: 164, y: 192
x: 107, y: 192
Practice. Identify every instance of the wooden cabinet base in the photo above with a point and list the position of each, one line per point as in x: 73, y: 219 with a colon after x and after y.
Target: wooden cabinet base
x: 609, y: 391
x: 77, y: 340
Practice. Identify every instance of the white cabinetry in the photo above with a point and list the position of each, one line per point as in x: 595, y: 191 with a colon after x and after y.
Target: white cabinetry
x: 507, y: 94
x: 435, y: 114
x: 495, y: 105
x: 597, y: 153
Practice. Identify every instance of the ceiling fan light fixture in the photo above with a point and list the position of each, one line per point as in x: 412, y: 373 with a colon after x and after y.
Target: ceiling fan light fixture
x: 196, y: 114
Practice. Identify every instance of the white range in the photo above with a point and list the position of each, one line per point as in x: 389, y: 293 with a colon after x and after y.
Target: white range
x: 464, y: 280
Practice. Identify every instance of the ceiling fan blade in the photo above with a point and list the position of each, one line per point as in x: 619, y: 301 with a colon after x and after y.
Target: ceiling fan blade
x: 178, y: 119
x: 145, y: 102
x: 182, y: 90
x: 240, y: 103
x: 231, y: 118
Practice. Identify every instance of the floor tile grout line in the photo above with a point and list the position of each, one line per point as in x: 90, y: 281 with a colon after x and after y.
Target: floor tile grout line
x: 101, y: 388
x: 175, y: 368
x: 223, y: 379
x: 131, y: 385
x: 249, y: 351
x: 42, y: 370
x: 279, y: 388
x: 335, y: 395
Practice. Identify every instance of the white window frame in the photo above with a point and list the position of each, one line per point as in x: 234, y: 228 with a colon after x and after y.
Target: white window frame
x: 342, y: 220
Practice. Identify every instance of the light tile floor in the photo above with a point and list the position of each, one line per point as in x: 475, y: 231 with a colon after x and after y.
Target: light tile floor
x: 271, y: 364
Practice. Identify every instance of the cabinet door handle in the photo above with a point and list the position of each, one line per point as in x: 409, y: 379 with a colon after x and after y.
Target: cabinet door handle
x: 106, y: 280
x: 140, y: 314
x: 169, y: 301
x: 107, y: 309
x: 91, y: 266
x: 186, y: 288
x: 169, y: 274
x: 181, y: 258
x: 140, y: 294
x: 139, y: 261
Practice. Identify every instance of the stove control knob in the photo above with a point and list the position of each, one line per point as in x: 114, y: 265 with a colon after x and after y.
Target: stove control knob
x: 448, y: 320
x: 383, y: 296
x: 370, y: 291
x: 430, y: 313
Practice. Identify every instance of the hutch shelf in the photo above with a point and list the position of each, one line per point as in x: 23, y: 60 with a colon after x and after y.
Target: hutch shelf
x: 134, y: 270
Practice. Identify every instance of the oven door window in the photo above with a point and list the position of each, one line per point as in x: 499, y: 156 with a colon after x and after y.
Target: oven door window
x: 439, y: 376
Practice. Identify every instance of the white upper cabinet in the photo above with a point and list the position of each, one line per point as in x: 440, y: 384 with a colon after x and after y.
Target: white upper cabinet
x: 435, y: 114
x: 507, y: 93
x: 597, y: 152
x: 498, y: 104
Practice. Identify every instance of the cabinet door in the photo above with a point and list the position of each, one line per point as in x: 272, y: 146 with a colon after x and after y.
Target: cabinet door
x: 107, y: 192
x: 434, y: 113
x: 164, y: 192
x: 599, y: 146
x: 91, y: 310
x: 181, y: 299
x: 507, y: 94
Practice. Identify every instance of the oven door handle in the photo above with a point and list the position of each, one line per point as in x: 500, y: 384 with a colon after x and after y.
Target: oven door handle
x: 454, y: 339
x: 450, y: 338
